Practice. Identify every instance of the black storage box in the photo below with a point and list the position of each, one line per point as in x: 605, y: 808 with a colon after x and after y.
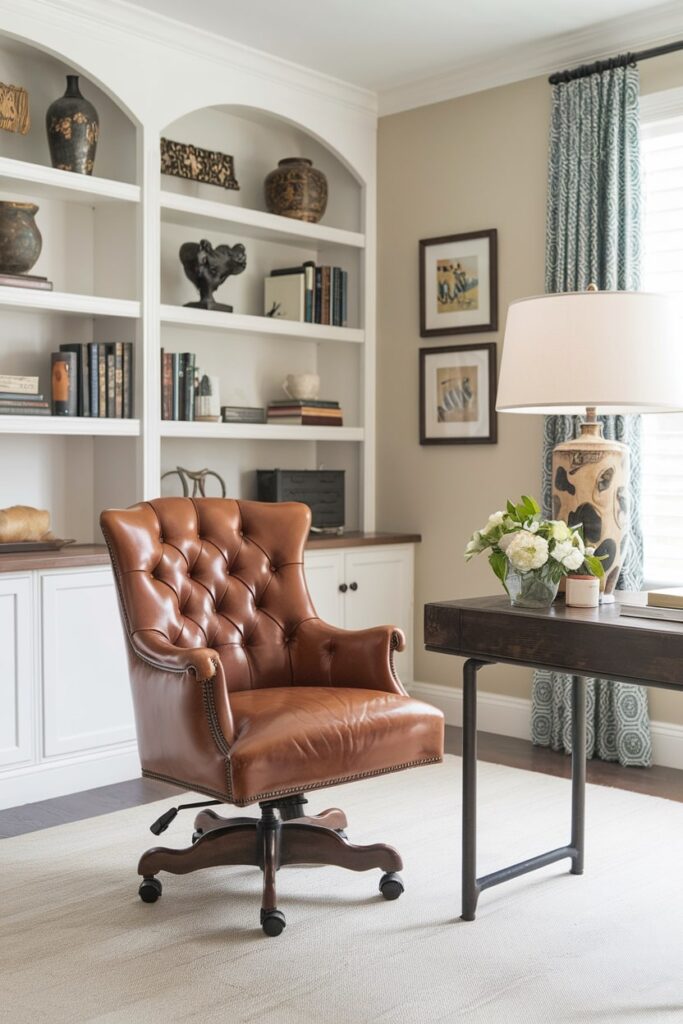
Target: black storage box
x: 321, y: 489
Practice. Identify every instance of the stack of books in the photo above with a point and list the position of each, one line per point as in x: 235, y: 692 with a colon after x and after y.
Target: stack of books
x: 19, y: 396
x: 308, y: 294
x: 104, y: 376
x: 243, y: 414
x: 655, y: 604
x: 179, y: 377
x: 305, y: 412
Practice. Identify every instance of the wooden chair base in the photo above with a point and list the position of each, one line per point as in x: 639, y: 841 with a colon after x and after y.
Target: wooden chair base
x: 275, y: 839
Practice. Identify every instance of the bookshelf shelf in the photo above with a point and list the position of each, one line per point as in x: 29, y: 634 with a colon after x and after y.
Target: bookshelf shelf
x: 66, y: 303
x: 190, y: 211
x: 49, y: 183
x: 81, y: 426
x: 240, y: 323
x: 259, y: 431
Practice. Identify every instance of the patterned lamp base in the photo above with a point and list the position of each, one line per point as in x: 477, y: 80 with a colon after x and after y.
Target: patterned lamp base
x: 590, y: 486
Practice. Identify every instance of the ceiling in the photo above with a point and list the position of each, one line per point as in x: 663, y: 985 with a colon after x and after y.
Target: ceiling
x: 384, y: 44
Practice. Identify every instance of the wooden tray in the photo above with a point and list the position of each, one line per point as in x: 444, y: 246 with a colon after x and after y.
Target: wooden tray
x: 17, y: 546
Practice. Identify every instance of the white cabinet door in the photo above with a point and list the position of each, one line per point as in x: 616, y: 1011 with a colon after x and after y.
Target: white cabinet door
x: 380, y: 582
x: 16, y: 670
x: 324, y: 571
x: 86, y: 693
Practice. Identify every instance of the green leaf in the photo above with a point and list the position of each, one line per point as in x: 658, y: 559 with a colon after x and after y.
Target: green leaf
x: 531, y: 504
x: 594, y: 565
x: 499, y: 564
x: 512, y: 511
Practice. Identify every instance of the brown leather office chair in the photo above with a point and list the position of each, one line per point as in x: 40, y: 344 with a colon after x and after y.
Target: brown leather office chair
x: 243, y: 694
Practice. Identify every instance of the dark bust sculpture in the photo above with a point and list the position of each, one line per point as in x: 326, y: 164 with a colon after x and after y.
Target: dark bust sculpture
x: 208, y: 268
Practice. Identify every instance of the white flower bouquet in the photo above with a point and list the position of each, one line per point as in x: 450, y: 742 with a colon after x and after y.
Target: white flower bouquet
x: 530, y: 555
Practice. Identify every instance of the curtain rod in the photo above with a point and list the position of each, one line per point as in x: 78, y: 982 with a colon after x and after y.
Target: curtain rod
x: 613, y: 62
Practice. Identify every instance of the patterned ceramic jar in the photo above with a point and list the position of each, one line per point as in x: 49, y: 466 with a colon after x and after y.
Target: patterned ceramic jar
x: 20, y: 239
x: 297, y: 189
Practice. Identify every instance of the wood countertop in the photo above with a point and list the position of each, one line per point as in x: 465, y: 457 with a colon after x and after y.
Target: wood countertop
x: 79, y: 555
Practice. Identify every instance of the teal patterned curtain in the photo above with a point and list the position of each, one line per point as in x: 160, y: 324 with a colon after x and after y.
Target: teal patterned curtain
x: 593, y: 235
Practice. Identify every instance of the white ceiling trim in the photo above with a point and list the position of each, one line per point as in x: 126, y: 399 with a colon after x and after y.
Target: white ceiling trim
x: 146, y: 25
x: 637, y: 31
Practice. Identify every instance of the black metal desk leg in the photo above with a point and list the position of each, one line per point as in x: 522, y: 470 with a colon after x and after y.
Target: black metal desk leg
x: 470, y: 889
x: 578, y: 772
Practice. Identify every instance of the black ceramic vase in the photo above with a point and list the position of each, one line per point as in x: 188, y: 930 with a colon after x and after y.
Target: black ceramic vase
x: 73, y: 129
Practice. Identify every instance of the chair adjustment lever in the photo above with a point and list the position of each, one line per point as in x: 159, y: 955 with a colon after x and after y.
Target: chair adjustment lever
x: 162, y: 823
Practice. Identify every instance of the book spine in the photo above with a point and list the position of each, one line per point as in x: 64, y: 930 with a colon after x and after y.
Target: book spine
x: 118, y: 380
x: 175, y: 399
x: 167, y: 387
x: 127, y: 380
x: 24, y: 410
x: 318, y: 300
x: 306, y: 421
x: 189, y: 386
x: 28, y: 403
x: 15, y: 396
x: 22, y: 385
x: 325, y: 308
x: 309, y: 293
x: 101, y: 381
x: 336, y: 297
x: 282, y: 271
x: 110, y: 377
x: 93, y: 387
x: 345, y: 298
x: 65, y: 384
x: 181, y: 385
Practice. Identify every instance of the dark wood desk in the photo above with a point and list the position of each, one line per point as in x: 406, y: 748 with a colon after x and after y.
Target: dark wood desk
x: 583, y: 642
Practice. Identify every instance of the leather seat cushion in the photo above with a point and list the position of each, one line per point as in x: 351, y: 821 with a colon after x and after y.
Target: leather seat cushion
x: 291, y: 739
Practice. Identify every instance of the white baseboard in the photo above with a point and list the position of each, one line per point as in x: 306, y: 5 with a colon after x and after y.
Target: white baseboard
x: 511, y: 716
x: 26, y: 784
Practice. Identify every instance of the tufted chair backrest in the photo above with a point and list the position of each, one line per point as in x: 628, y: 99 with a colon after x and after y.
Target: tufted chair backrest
x: 217, y: 573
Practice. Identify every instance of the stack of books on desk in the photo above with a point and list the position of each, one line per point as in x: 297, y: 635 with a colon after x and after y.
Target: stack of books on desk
x: 305, y: 412
x: 664, y: 604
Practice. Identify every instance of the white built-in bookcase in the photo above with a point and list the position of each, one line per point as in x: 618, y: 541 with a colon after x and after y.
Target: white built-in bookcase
x: 110, y: 245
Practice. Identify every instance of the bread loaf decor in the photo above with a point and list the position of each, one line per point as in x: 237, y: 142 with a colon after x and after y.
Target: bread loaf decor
x: 25, y: 528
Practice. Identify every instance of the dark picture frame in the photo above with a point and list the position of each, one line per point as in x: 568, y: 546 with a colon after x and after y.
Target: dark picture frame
x: 444, y: 296
x: 459, y: 425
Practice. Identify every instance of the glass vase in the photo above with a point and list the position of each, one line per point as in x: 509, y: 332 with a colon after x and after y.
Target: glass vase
x: 533, y: 589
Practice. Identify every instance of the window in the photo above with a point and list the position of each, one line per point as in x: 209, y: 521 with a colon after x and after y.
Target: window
x: 662, y: 155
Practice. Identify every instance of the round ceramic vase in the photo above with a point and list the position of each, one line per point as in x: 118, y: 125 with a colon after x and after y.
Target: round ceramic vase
x: 297, y: 189
x: 20, y: 239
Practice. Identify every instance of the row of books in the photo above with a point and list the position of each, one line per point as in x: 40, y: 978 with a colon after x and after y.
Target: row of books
x: 308, y: 294
x: 94, y: 380
x: 305, y: 413
x: 179, y: 376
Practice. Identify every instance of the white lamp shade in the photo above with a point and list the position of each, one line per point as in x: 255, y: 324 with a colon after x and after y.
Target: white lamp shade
x: 619, y: 351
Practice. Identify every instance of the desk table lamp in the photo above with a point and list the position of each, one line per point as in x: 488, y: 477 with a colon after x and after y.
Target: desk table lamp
x: 598, y: 352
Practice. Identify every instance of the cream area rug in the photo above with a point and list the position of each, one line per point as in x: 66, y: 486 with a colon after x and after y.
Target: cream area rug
x: 76, y: 943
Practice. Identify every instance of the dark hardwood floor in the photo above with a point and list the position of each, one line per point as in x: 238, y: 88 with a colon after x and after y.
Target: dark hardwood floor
x: 657, y: 781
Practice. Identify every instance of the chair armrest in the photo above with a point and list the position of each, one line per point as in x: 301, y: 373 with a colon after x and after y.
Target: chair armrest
x: 157, y: 651
x: 323, y: 655
x: 179, y: 681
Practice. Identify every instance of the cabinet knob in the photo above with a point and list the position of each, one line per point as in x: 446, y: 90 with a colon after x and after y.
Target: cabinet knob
x: 353, y: 586
x: 343, y: 587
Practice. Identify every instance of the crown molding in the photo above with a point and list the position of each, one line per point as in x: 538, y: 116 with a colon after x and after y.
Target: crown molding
x: 105, y: 16
x: 661, y: 106
x: 641, y: 30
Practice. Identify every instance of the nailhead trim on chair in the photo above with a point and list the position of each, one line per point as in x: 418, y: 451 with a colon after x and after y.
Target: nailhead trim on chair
x: 309, y: 788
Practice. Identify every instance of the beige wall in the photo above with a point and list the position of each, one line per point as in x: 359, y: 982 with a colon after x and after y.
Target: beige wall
x: 470, y: 163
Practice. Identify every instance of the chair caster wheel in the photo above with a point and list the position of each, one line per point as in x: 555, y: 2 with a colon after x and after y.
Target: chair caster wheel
x: 150, y: 890
x: 196, y: 835
x: 273, y: 922
x: 391, y: 885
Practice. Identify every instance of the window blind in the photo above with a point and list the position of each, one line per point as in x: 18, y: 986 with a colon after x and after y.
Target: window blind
x: 662, y: 454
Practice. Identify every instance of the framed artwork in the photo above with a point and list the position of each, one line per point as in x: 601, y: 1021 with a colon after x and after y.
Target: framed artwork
x: 458, y: 394
x: 459, y: 283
